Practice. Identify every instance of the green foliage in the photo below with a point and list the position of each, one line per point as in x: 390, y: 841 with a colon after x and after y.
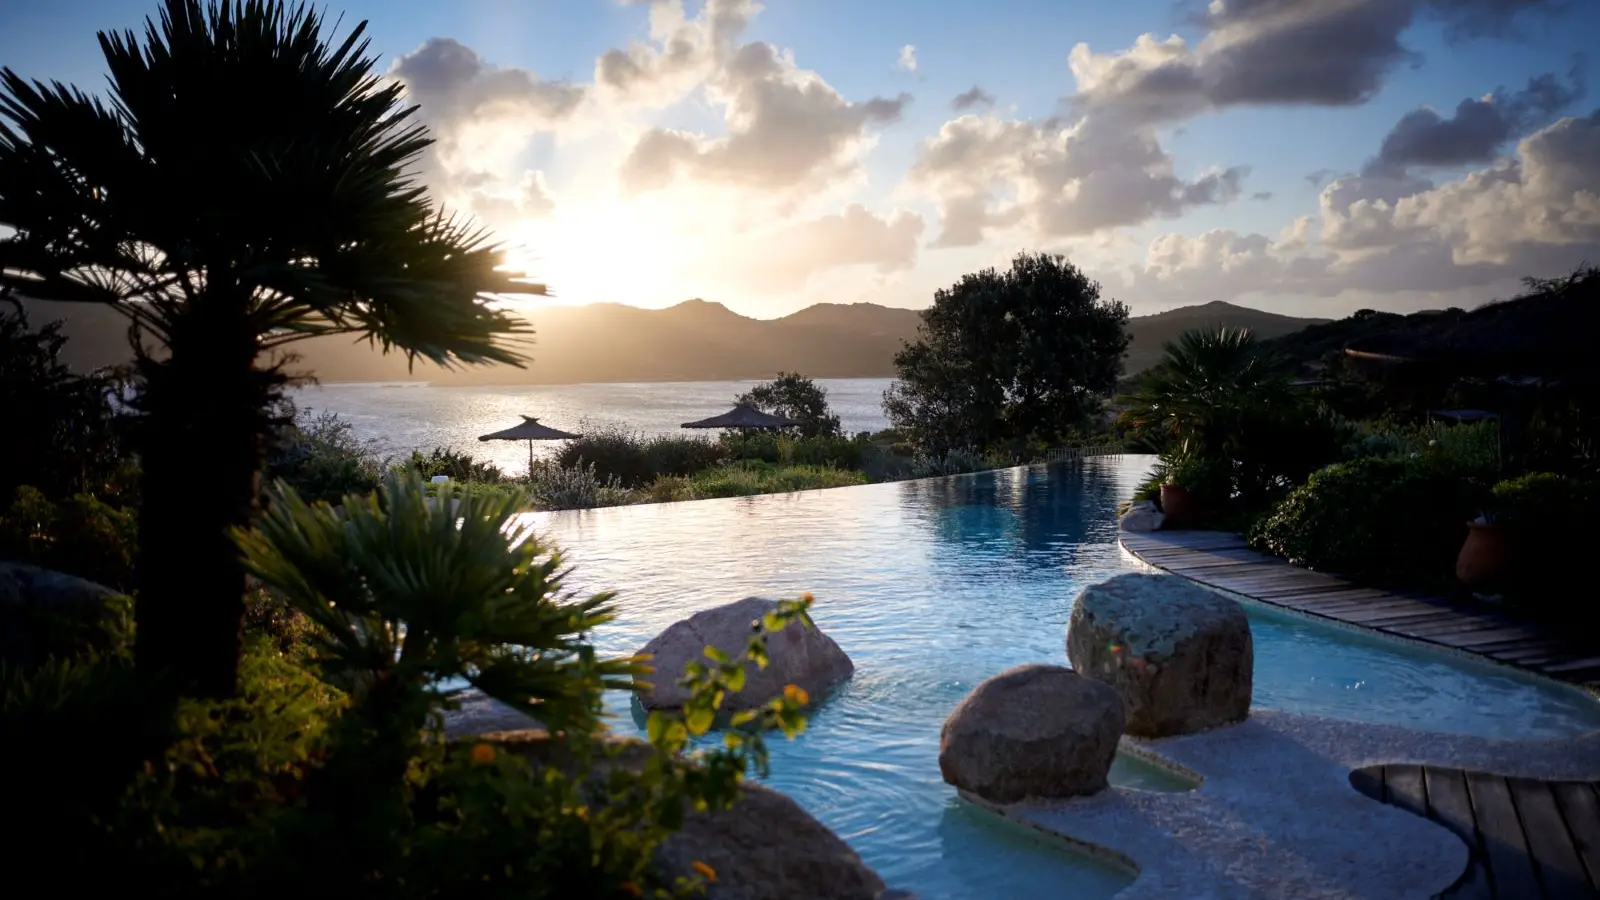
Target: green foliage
x: 454, y: 464
x: 555, y: 486
x: 797, y: 399
x: 613, y: 452
x: 1550, y: 517
x: 682, y: 456
x: 1002, y: 357
x: 63, y: 436
x: 322, y: 459
x: 841, y: 452
x: 1229, y: 427
x: 1472, y: 447
x: 749, y: 477
x: 271, y: 620
x: 80, y: 536
x: 1389, y: 521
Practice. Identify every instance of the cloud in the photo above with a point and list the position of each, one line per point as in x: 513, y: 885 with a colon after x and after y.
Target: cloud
x: 451, y: 83
x: 531, y: 200
x: 1057, y: 179
x: 682, y: 52
x: 1537, y: 212
x: 1478, y: 128
x: 481, y: 117
x: 787, y: 128
x: 908, y: 58
x: 1276, y: 52
x: 972, y: 98
x: 785, y: 258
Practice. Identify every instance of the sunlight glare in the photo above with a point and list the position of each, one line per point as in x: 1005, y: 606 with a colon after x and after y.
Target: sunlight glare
x: 603, y: 252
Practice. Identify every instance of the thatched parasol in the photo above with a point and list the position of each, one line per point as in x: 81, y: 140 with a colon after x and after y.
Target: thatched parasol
x: 530, y: 430
x: 742, y: 416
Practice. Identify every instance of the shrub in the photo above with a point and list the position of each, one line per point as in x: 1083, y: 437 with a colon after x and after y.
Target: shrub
x: 671, y: 489
x: 555, y: 486
x: 668, y: 456
x: 1393, y: 521
x: 1472, y: 448
x: 751, y: 477
x: 80, y: 536
x: 456, y: 465
x: 1550, y: 516
x: 322, y: 459
x: 612, y: 451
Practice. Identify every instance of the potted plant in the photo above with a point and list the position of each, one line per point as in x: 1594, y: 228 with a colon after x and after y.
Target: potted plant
x: 1488, y: 553
x: 1185, y: 479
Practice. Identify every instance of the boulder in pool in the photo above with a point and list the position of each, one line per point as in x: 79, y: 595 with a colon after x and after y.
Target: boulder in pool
x: 1180, y: 656
x: 1142, y: 516
x: 1037, y: 731
x: 797, y: 655
x: 764, y: 847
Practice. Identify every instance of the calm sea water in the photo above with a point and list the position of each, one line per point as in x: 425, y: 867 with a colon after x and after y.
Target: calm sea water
x: 397, y: 419
x: 931, y: 587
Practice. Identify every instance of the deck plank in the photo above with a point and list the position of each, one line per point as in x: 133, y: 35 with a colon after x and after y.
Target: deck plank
x: 1404, y: 787
x: 1511, y: 870
x: 1561, y: 872
x: 1222, y: 560
x: 1580, y: 809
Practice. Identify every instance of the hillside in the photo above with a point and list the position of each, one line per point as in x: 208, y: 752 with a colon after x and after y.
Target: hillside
x: 1150, y: 333
x: 693, y: 341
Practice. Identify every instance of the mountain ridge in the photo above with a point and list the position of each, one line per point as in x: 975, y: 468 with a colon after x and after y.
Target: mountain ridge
x: 696, y: 340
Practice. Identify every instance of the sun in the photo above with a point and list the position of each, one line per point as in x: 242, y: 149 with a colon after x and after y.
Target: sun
x: 608, y: 252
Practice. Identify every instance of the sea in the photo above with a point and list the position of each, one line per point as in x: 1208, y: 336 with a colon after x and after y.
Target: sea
x: 397, y: 417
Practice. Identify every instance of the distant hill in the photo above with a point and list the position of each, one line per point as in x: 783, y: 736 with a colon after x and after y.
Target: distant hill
x: 1150, y: 333
x: 693, y: 341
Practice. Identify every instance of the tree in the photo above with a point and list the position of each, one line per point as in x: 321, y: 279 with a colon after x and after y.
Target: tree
x: 63, y: 435
x: 1003, y: 358
x: 247, y: 184
x: 798, y: 399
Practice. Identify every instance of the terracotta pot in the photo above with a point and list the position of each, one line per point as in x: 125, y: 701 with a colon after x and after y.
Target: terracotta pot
x: 1178, y: 505
x: 1486, y: 556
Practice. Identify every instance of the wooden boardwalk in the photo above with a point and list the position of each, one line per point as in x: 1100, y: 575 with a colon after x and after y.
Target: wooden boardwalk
x: 1529, y: 839
x: 1221, y: 560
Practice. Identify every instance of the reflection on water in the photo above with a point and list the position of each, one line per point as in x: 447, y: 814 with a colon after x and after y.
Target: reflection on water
x: 932, y: 586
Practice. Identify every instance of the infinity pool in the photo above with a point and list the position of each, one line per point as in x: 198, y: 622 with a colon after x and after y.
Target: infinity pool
x: 932, y: 586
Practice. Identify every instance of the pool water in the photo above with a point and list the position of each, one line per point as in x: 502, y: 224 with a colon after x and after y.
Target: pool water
x: 932, y: 586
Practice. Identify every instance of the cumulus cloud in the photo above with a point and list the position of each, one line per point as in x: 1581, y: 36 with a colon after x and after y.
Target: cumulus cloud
x: 786, y: 258
x: 681, y: 54
x: 972, y: 98
x: 1059, y: 179
x: 481, y: 116
x: 530, y: 200
x: 1536, y: 212
x: 908, y: 58
x: 786, y: 128
x: 1477, y: 129
x: 1277, y: 52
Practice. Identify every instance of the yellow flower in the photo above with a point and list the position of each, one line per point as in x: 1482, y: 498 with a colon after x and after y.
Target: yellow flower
x: 482, y: 754
x: 796, y: 693
x: 706, y: 871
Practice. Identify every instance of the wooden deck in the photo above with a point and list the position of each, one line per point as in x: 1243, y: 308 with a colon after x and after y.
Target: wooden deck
x: 1529, y: 839
x: 1221, y: 560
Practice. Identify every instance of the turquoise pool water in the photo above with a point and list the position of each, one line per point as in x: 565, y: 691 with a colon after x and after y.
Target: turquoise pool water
x: 932, y: 586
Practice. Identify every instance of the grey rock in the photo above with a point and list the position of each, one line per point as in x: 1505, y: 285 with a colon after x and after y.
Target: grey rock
x: 40, y: 608
x: 1142, y: 516
x: 1180, y: 656
x: 765, y: 847
x: 798, y: 655
x: 1034, y: 731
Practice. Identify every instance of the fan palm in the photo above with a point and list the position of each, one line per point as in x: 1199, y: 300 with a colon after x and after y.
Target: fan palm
x: 245, y: 185
x: 1209, y: 385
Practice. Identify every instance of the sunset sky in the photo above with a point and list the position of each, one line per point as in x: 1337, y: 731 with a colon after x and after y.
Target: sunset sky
x: 1306, y: 156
